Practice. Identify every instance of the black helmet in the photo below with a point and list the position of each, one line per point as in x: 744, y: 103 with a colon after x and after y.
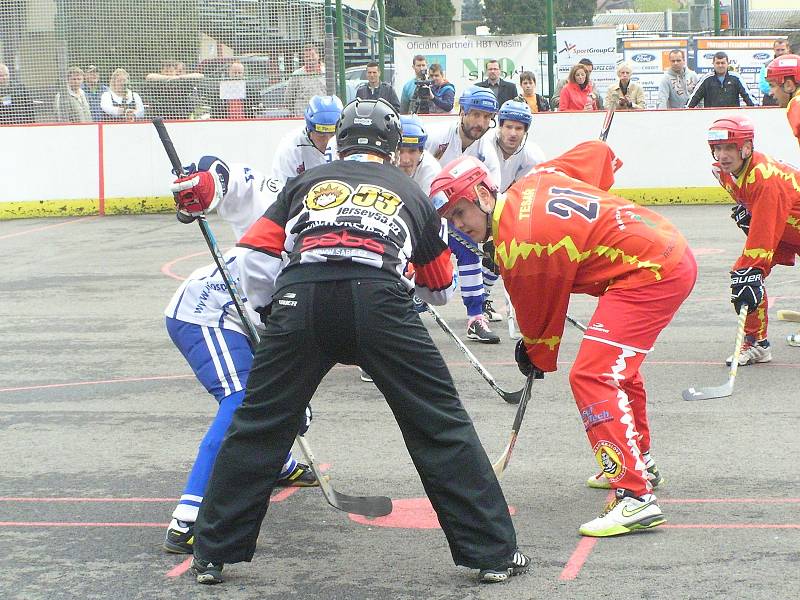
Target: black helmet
x: 368, y: 125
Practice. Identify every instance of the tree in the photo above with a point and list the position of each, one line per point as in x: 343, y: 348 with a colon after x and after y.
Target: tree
x: 529, y: 16
x: 422, y: 17
x: 471, y: 16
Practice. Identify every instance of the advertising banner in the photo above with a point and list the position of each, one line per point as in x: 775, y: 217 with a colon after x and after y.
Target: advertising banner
x: 649, y: 58
x: 463, y: 58
x: 598, y: 44
x: 746, y: 54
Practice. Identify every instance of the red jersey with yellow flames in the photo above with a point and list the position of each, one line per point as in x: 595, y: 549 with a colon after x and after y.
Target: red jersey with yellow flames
x: 793, y: 114
x: 770, y: 191
x: 558, y: 232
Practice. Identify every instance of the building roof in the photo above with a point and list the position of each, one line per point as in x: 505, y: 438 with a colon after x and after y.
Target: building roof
x: 760, y: 20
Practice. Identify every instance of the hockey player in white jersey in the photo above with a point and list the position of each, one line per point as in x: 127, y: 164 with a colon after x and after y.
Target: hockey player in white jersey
x: 477, y: 110
x: 306, y: 148
x: 412, y: 158
x: 517, y: 153
x: 204, y: 325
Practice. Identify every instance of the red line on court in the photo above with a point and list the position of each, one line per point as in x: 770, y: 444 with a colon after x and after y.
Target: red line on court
x: 578, y: 558
x: 98, y: 382
x: 87, y: 500
x: 75, y: 524
x: 43, y: 227
x: 728, y: 500
x: 180, y: 569
x: 732, y: 526
x: 166, y: 268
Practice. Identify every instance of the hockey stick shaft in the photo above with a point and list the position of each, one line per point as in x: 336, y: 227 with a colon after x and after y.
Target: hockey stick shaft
x: 501, y: 463
x: 368, y: 506
x: 510, y: 397
x: 737, y: 351
x: 607, y: 122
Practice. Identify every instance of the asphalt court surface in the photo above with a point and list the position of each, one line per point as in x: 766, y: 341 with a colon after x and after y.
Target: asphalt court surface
x: 100, y: 420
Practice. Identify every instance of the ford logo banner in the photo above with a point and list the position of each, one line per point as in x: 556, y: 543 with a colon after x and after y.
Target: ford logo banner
x: 708, y: 55
x: 643, y: 58
x: 762, y: 56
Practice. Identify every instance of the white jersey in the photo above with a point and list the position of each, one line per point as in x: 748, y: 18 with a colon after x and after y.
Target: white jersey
x: 518, y: 164
x: 444, y: 144
x: 295, y: 154
x: 203, y: 299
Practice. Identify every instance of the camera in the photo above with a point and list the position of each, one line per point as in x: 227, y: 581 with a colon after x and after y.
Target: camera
x: 420, y: 99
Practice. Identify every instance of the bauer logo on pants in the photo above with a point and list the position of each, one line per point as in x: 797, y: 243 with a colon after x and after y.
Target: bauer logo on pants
x: 610, y: 459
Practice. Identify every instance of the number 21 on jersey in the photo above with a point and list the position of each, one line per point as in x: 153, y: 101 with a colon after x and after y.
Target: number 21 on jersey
x: 564, y: 203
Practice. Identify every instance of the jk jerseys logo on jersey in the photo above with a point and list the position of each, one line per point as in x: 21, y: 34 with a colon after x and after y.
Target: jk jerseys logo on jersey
x: 327, y: 194
x: 610, y: 459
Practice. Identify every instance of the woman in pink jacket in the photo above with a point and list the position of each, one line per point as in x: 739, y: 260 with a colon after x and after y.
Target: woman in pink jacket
x: 578, y: 93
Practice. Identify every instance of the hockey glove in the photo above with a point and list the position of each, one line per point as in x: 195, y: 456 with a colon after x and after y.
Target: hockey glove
x: 419, y: 305
x: 488, y: 258
x: 524, y: 364
x: 741, y: 217
x: 747, y: 287
x: 197, y: 193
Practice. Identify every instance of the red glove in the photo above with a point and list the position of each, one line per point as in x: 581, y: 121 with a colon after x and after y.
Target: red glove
x: 197, y: 193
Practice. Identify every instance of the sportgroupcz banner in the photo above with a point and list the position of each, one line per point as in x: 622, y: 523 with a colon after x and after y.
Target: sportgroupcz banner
x: 463, y: 58
x: 746, y: 55
x: 598, y: 44
x: 649, y: 58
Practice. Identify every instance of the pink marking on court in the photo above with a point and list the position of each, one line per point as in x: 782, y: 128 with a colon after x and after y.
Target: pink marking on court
x: 75, y: 524
x: 43, y: 227
x: 166, y: 268
x: 180, y: 569
x: 407, y: 513
x: 98, y: 382
x: 732, y: 526
x: 82, y: 500
x: 729, y: 500
x: 578, y: 558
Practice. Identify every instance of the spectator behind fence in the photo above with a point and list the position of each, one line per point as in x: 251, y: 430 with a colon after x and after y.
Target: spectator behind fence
x: 536, y: 102
x: 16, y: 106
x: 374, y: 88
x: 444, y: 92
x: 503, y: 90
x: 305, y: 82
x: 626, y: 94
x: 678, y: 83
x: 720, y: 87
x: 71, y: 105
x: 555, y: 100
x: 578, y: 93
x: 779, y: 48
x: 119, y: 103
x: 94, y: 91
x: 231, y: 101
x: 411, y: 99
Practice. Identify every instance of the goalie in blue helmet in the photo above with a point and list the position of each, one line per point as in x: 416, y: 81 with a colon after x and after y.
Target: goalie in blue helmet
x: 306, y: 148
x: 515, y: 149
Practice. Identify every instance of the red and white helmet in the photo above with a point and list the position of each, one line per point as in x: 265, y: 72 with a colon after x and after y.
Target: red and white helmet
x: 782, y: 67
x: 734, y: 129
x: 458, y: 179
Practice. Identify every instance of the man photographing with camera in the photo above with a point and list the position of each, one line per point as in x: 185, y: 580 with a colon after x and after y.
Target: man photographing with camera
x: 412, y: 87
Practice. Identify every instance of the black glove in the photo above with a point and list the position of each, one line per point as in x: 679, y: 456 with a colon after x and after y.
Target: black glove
x: 741, y: 217
x: 488, y: 258
x: 524, y: 364
x: 747, y: 287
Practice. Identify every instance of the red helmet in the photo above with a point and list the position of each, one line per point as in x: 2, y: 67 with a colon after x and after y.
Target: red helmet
x: 458, y: 179
x: 735, y: 129
x: 782, y: 67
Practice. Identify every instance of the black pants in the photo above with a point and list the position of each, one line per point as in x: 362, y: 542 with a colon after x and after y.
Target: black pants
x: 371, y: 323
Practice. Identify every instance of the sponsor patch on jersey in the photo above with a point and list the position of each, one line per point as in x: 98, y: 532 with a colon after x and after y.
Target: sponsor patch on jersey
x: 610, y: 459
x: 327, y: 194
x: 592, y: 416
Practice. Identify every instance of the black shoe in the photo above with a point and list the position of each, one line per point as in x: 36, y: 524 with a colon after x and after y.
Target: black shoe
x: 302, y: 476
x: 518, y: 564
x: 478, y: 330
x: 490, y: 313
x: 207, y: 573
x: 180, y: 537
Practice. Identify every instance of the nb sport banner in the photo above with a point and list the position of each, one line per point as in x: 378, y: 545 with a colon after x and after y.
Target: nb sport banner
x: 746, y: 55
x: 598, y: 44
x: 649, y: 58
x: 463, y: 58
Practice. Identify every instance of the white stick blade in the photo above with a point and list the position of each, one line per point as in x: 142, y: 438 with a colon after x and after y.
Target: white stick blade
x: 789, y: 315
x: 721, y: 391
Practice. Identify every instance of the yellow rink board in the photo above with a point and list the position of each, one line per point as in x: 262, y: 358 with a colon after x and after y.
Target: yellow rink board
x: 131, y: 206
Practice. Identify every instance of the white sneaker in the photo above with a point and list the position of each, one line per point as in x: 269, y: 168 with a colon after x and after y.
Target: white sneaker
x: 624, y: 514
x: 752, y: 353
x: 793, y: 339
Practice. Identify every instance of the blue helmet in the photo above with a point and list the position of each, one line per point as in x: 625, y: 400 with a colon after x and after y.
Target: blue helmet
x: 414, y: 135
x: 322, y: 113
x: 478, y: 98
x: 513, y: 110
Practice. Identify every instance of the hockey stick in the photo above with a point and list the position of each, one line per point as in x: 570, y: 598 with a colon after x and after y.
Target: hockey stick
x: 576, y: 323
x: 607, y: 122
x: 369, y: 506
x: 789, y: 315
x: 513, y: 331
x: 501, y: 463
x: 726, y: 389
x: 510, y: 397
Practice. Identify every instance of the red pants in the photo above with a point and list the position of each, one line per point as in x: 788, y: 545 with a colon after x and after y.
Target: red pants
x: 605, y: 379
x: 756, y: 324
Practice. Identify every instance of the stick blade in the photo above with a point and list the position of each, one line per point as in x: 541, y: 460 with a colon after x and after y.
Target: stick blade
x: 708, y: 393
x: 368, y: 506
x: 511, y: 397
x: 789, y: 315
x: 500, y: 464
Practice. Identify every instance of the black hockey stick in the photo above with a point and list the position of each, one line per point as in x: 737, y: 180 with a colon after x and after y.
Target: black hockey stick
x: 501, y: 463
x: 510, y: 397
x: 726, y: 389
x: 607, y: 122
x: 369, y: 506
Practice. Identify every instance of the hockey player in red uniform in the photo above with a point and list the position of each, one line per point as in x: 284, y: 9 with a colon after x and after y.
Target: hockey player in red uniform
x: 767, y: 195
x: 558, y: 231
x: 783, y: 75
